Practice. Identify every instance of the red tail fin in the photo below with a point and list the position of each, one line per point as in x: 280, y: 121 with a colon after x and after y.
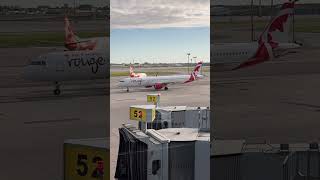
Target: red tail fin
x: 197, y: 68
x: 264, y: 53
x: 194, y: 74
x: 279, y: 23
x: 69, y: 38
x: 131, y: 72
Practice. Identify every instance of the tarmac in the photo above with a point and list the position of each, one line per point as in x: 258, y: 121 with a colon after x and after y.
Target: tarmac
x: 194, y: 94
x: 274, y: 101
x: 35, y: 123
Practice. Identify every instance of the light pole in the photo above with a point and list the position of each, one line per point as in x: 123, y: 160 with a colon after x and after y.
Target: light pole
x: 252, y: 35
x: 74, y: 8
x: 260, y: 12
x: 188, y: 62
x: 293, y: 23
x: 271, y: 8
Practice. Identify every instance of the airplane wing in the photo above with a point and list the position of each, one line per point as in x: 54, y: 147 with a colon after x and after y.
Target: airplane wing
x: 82, y: 41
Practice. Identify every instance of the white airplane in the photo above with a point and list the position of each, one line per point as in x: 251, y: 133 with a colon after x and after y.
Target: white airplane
x: 159, y: 82
x: 73, y: 42
x: 67, y: 66
x: 132, y: 74
x: 240, y: 55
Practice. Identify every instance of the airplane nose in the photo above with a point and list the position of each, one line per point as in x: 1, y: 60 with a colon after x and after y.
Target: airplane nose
x: 25, y: 73
x: 120, y: 84
x: 28, y: 72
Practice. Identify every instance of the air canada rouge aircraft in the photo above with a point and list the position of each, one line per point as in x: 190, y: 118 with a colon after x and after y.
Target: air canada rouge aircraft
x: 73, y: 42
x: 67, y: 66
x: 132, y: 74
x: 269, y: 45
x: 87, y: 59
x: 159, y: 82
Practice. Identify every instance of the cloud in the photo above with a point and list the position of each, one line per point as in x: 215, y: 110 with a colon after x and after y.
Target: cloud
x: 147, y: 14
x: 264, y: 2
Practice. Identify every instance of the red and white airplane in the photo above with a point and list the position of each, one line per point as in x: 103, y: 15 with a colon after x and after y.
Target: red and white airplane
x: 132, y: 74
x: 269, y: 45
x: 59, y: 67
x: 74, y: 43
x: 159, y: 82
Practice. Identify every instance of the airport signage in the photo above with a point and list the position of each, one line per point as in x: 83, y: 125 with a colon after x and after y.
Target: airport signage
x: 85, y: 162
x: 144, y: 113
x: 154, y: 98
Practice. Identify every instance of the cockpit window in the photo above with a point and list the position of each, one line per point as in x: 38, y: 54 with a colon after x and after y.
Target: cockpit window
x: 121, y: 81
x: 38, y: 63
x: 41, y: 60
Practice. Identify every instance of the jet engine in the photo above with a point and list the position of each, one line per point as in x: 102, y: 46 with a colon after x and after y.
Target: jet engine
x: 158, y: 86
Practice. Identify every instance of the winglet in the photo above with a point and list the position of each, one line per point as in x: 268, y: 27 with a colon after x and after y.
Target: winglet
x: 70, y: 39
x: 132, y: 74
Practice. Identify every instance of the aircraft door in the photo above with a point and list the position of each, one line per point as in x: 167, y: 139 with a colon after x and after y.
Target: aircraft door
x: 60, y: 66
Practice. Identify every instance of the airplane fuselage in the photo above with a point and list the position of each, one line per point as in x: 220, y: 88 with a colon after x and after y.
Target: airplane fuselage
x: 232, y: 52
x: 274, y: 41
x: 152, y: 80
x: 68, y: 65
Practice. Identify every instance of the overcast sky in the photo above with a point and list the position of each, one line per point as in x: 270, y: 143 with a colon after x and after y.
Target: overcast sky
x: 159, y: 30
x: 159, y: 13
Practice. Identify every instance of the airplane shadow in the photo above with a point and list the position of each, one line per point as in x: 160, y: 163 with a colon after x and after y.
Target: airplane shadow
x: 150, y: 90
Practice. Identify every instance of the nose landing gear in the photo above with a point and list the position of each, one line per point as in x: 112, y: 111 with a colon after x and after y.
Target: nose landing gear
x: 57, y: 90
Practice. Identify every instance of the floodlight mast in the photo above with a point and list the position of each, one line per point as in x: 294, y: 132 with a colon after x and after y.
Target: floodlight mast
x: 188, y: 61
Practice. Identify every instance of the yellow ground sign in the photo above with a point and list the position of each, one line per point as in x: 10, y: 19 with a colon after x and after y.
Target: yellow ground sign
x: 153, y: 98
x: 144, y: 113
x: 86, y: 163
x: 138, y: 114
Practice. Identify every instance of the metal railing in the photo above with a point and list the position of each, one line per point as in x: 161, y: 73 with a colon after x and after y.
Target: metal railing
x: 301, y: 165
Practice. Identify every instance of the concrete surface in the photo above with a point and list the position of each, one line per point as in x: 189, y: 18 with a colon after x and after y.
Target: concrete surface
x: 34, y: 123
x: 193, y: 94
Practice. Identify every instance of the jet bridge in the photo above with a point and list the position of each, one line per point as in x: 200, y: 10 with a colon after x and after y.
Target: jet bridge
x: 166, y: 154
x: 169, y: 143
x: 180, y: 117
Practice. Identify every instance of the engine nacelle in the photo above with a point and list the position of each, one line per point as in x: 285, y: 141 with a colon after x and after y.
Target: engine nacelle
x: 158, y: 86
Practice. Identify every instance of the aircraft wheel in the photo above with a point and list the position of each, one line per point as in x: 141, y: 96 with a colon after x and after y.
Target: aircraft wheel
x: 166, y: 88
x: 57, y: 92
x: 127, y: 89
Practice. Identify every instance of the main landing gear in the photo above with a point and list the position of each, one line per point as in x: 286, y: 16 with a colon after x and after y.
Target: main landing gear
x: 166, y: 88
x: 57, y: 90
x: 127, y: 89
